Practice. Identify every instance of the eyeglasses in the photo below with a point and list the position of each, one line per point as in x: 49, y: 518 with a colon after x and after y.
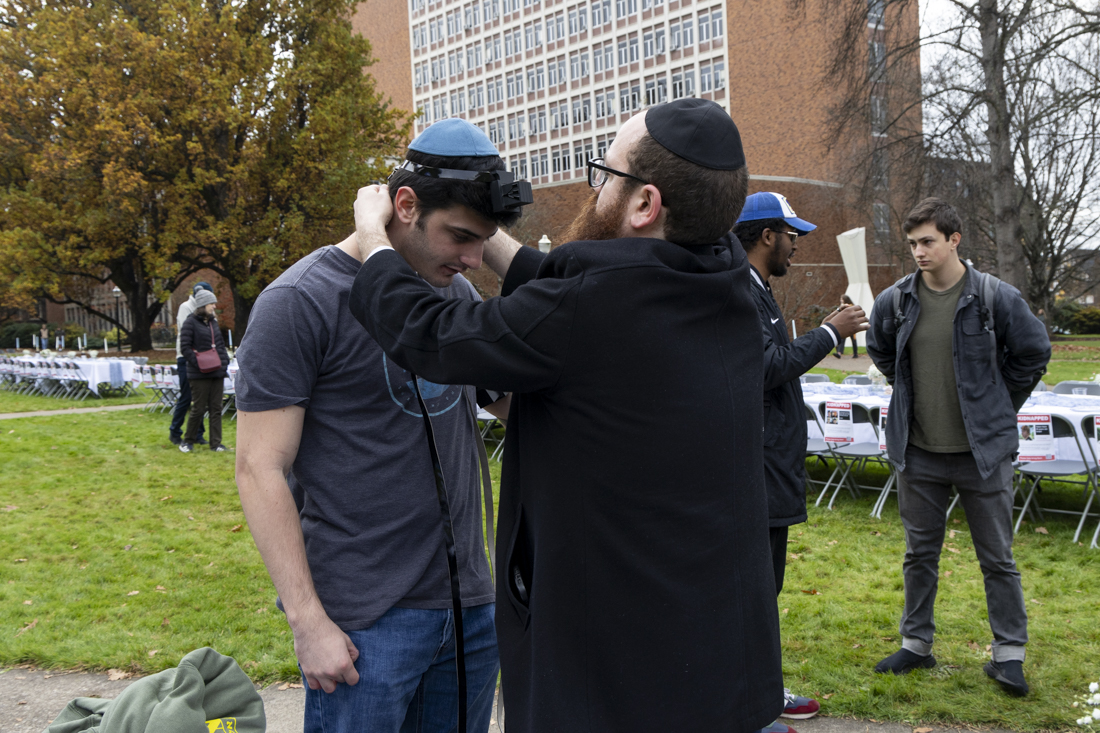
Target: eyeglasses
x: 792, y: 235
x: 597, y: 173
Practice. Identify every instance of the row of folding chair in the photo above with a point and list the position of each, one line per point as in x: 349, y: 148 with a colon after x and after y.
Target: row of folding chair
x: 1027, y: 482
x: 162, y: 382
x: 57, y: 378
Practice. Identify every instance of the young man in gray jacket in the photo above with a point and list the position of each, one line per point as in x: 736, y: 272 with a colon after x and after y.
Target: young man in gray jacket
x: 953, y: 423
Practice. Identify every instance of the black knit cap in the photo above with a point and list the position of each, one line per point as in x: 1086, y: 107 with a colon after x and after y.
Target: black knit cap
x: 698, y: 131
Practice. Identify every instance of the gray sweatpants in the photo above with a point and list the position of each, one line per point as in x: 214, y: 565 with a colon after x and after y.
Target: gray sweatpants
x: 924, y: 491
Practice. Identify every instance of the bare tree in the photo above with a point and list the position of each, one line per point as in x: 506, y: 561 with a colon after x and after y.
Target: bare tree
x: 1003, y: 122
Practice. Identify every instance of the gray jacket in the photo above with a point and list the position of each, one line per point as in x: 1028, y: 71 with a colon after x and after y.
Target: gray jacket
x: 187, y: 307
x: 989, y: 394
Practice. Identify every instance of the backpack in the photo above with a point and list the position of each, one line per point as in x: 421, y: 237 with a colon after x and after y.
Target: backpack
x: 987, y: 301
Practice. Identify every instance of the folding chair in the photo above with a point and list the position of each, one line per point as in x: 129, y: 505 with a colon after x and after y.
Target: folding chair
x: 1060, y: 469
x: 857, y: 379
x: 815, y: 447
x: 847, y: 455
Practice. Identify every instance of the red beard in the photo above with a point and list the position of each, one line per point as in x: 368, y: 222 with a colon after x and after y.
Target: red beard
x: 592, y: 225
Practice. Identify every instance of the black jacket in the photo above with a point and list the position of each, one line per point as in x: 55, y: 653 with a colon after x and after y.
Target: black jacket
x: 632, y: 506
x: 988, y: 393
x: 195, y: 336
x: 784, y: 410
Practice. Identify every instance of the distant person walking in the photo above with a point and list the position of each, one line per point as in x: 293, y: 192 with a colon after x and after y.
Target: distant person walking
x: 846, y: 302
x: 183, y: 404
x: 204, y: 351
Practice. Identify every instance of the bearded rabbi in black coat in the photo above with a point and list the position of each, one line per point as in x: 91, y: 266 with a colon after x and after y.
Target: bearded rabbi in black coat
x: 634, y: 580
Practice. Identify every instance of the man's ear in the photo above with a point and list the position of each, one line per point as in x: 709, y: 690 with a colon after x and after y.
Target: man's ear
x: 645, y: 207
x: 406, y: 205
x: 954, y: 240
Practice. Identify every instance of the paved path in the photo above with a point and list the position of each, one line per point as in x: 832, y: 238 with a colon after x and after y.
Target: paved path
x: 29, y: 700
x: 846, y: 363
x: 70, y: 411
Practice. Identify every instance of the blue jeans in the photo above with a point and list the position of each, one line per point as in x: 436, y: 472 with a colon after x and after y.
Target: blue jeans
x: 407, y: 677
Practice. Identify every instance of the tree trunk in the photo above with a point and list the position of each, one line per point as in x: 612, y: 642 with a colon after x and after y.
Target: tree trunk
x: 1007, y: 228
x: 242, y: 309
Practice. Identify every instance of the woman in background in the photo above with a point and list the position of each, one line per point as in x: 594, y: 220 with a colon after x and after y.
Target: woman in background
x: 200, y: 333
x: 845, y: 301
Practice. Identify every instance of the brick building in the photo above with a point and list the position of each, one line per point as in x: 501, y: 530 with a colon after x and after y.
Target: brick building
x: 551, y: 80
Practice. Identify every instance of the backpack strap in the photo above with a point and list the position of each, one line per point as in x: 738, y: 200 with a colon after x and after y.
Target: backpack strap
x: 898, y: 315
x: 987, y: 304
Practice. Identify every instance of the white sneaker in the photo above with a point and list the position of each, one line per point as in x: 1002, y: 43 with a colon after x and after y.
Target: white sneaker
x: 185, y: 447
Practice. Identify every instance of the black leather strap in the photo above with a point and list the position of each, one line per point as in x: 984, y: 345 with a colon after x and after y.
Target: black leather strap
x: 452, y: 557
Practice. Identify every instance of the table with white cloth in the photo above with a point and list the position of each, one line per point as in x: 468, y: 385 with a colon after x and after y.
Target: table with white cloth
x: 814, y: 394
x: 116, y: 372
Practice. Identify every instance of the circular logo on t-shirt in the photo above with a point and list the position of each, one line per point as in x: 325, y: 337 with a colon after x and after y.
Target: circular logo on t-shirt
x: 438, y: 397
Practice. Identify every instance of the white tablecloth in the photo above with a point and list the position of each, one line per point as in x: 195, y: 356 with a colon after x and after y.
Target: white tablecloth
x: 1073, y: 408
x: 867, y: 396
x: 95, y: 371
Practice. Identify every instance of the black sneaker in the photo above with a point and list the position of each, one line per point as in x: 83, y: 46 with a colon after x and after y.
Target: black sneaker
x: 200, y: 441
x: 904, y: 661
x: 1011, y: 676
x: 175, y: 439
x: 185, y: 447
x: 220, y: 449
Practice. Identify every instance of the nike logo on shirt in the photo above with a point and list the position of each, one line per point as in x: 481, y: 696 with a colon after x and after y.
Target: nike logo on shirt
x: 774, y: 320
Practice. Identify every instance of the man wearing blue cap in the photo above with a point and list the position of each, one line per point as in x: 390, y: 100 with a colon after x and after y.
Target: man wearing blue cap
x: 183, y: 404
x: 634, y: 581
x: 769, y: 230
x: 333, y: 468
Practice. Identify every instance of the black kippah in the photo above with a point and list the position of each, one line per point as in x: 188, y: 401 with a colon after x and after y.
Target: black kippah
x: 698, y: 131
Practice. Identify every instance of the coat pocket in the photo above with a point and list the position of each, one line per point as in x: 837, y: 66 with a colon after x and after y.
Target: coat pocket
x: 518, y: 570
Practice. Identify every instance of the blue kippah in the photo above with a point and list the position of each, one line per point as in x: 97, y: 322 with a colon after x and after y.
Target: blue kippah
x: 454, y: 137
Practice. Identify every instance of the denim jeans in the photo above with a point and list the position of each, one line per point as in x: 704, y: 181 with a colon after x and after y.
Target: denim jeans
x: 407, y: 677
x: 924, y: 491
x: 183, y: 404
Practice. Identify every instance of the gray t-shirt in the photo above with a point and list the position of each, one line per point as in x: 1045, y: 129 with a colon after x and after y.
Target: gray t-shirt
x: 937, y: 424
x: 363, y: 478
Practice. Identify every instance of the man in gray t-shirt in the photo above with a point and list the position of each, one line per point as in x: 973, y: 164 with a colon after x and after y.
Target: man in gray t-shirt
x: 336, y: 478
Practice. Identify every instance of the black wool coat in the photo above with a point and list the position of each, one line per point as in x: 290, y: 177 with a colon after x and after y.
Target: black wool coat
x: 195, y: 336
x: 634, y: 581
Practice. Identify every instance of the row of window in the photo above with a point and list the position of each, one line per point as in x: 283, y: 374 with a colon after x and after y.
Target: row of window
x: 601, y: 57
x: 559, y: 158
x: 554, y: 27
x: 557, y: 114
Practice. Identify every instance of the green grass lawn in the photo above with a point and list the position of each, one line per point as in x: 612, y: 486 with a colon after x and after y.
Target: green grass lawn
x: 11, y: 402
x: 98, y: 506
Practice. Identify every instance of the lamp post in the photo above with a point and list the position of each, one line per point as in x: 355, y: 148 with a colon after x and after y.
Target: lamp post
x: 118, y: 320
x: 544, y: 244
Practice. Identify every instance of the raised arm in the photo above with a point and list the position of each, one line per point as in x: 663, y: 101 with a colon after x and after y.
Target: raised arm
x: 267, y: 444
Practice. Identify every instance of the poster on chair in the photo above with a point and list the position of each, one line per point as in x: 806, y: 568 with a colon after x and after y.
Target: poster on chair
x: 882, y: 427
x: 838, y: 422
x: 1036, y: 437
x: 1096, y: 435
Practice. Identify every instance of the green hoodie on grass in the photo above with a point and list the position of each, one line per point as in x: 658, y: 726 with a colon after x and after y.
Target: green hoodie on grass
x: 206, y: 693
